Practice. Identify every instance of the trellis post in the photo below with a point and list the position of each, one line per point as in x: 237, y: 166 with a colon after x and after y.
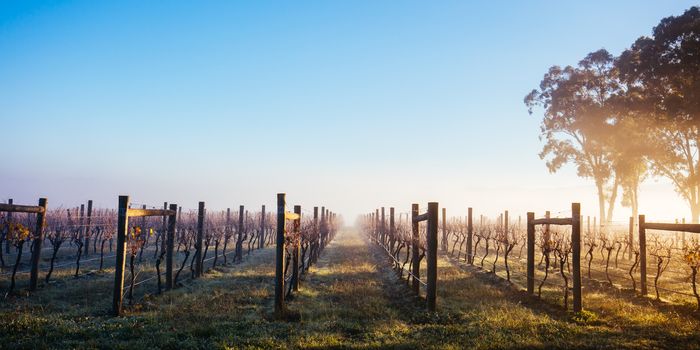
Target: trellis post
x: 170, y: 247
x: 432, y: 255
x: 200, y: 241
x: 122, y: 225
x: 38, y: 239
x: 530, y: 253
x: 279, y: 258
x: 576, y: 253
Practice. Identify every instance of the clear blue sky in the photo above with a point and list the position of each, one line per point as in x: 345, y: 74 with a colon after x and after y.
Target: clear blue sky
x: 348, y: 104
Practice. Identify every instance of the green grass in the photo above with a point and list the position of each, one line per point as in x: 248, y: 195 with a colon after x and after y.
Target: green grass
x: 351, y: 299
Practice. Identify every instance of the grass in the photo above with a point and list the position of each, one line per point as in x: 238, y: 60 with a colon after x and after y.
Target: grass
x: 351, y: 299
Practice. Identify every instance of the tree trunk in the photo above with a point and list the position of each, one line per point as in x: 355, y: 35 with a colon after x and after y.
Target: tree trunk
x: 611, y: 203
x: 601, y: 203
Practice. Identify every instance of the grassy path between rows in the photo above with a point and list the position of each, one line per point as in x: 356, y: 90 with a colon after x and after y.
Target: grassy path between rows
x: 350, y: 299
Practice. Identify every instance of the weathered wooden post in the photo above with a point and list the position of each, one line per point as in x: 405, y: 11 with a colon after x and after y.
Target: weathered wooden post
x: 470, y: 234
x: 198, y: 268
x: 88, y: 221
x: 643, y: 254
x: 262, y: 228
x: 122, y: 225
x: 530, y: 253
x: 392, y: 228
x: 576, y: 253
x: 415, y: 249
x: 170, y: 247
x: 279, y: 258
x: 432, y: 255
x: 322, y: 236
x: 239, y: 239
x: 38, y: 239
x: 295, y: 251
x: 376, y: 224
x: 383, y: 228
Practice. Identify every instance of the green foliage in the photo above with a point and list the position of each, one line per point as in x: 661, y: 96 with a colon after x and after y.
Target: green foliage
x: 584, y: 317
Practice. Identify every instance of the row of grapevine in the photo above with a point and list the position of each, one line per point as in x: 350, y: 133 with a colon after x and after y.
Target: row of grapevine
x: 557, y: 253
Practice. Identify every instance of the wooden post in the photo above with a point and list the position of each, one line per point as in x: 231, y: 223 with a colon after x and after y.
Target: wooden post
x: 122, y: 225
x: 392, y: 228
x: 643, y: 254
x: 530, y: 253
x: 227, y: 231
x: 432, y: 255
x: 576, y: 254
x: 198, y: 268
x: 313, y: 246
x: 82, y: 234
x: 470, y: 234
x: 262, y: 228
x: 631, y: 239
x: 376, y: 223
x: 38, y: 239
x: 415, y: 241
x: 279, y: 258
x: 87, y: 229
x: 383, y: 228
x: 295, y: 251
x: 241, y: 229
x: 170, y: 247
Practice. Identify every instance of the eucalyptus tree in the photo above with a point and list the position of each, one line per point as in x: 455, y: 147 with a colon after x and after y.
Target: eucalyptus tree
x: 578, y: 124
x: 662, y: 73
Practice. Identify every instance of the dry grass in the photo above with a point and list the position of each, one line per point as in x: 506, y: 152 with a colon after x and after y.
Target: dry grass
x: 352, y: 299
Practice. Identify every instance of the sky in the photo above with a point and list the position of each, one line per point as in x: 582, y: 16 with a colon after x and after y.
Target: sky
x: 350, y: 105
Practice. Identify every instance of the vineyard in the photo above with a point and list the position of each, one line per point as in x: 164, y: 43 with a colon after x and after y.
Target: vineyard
x: 176, y: 277
x: 159, y: 249
x: 553, y: 257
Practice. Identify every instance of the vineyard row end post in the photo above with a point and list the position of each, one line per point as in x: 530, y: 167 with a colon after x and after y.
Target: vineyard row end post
x: 88, y: 222
x: 279, y: 258
x: 172, y: 221
x: 295, y: 251
x: 38, y: 239
x: 576, y: 254
x: 392, y: 228
x: 122, y: 225
x: 198, y: 269
x: 432, y: 255
x: 262, y: 228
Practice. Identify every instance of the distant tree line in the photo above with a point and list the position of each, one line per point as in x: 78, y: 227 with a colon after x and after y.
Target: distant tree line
x: 622, y: 119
